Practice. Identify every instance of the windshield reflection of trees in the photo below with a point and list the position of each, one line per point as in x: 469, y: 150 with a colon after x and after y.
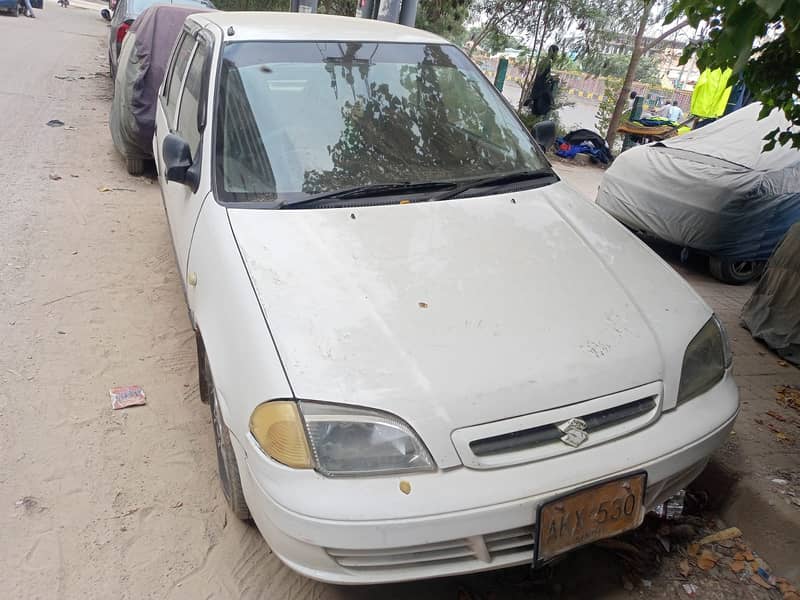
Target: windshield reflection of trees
x: 442, y: 127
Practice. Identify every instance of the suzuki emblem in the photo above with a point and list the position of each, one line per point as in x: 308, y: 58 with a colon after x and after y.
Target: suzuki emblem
x: 574, y: 432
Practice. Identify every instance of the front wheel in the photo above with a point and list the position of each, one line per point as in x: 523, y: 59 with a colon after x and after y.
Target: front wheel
x: 733, y: 271
x: 226, y: 459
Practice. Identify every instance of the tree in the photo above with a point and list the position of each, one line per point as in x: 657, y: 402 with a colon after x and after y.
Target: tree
x: 497, y: 41
x: 502, y: 16
x: 615, y: 65
x: 608, y: 103
x: 759, y: 39
x: 444, y: 17
x: 640, y: 46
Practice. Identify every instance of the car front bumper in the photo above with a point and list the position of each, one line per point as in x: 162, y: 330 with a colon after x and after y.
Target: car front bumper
x: 495, y: 527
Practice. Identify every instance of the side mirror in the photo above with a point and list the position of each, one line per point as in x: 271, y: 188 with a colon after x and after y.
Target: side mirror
x: 106, y: 14
x: 544, y: 132
x: 177, y: 159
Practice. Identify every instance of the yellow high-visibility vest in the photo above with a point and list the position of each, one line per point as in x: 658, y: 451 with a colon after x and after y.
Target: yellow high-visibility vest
x: 711, y: 93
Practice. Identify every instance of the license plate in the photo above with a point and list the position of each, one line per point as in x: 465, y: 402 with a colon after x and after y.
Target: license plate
x: 590, y: 514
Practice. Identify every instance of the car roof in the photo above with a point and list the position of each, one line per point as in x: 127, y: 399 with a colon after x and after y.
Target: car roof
x: 286, y: 26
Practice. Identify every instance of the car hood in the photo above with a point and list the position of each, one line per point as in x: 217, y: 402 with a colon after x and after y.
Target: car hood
x: 462, y: 312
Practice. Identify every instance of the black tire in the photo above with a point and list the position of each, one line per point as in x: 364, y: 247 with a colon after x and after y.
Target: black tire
x: 731, y: 271
x: 226, y: 459
x: 135, y: 166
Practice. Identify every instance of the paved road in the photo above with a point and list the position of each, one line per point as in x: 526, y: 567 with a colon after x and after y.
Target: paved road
x: 580, y: 115
x: 97, y: 504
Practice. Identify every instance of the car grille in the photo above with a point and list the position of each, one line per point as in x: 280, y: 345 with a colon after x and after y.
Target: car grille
x: 482, y: 548
x: 528, y: 438
x: 536, y: 436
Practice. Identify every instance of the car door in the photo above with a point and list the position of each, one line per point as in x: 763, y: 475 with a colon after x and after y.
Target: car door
x: 181, y: 104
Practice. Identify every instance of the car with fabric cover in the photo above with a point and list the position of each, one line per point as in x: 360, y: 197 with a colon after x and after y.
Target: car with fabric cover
x: 122, y: 18
x: 143, y: 62
x: 712, y: 190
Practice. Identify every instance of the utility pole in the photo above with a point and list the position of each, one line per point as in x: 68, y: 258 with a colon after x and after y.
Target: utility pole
x: 391, y: 11
x: 408, y: 13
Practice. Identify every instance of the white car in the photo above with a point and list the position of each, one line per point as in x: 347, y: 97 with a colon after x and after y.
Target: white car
x: 424, y: 354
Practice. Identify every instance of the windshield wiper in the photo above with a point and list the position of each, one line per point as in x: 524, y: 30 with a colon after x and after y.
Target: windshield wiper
x: 373, y: 189
x: 495, y: 181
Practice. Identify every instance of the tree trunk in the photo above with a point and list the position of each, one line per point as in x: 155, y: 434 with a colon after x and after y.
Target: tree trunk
x: 636, y: 56
x: 481, y: 34
x: 530, y: 71
x: 487, y: 28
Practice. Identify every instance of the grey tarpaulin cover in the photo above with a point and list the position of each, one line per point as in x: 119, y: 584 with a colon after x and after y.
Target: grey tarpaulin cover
x: 773, y: 312
x: 711, y: 189
x: 142, y: 64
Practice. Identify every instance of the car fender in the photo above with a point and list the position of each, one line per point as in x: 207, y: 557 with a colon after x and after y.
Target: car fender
x: 245, y: 363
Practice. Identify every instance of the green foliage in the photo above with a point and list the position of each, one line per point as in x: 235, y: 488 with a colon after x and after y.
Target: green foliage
x: 608, y: 103
x: 616, y: 65
x: 345, y: 8
x: 444, y: 17
x: 759, y: 39
x: 497, y: 41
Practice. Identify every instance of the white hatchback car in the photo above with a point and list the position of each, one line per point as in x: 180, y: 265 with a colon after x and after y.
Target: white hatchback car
x: 429, y: 355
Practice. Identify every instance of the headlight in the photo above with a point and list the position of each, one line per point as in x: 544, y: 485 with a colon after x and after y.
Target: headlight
x: 705, y: 361
x: 338, y: 440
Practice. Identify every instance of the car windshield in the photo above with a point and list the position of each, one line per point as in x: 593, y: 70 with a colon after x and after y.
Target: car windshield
x: 298, y: 119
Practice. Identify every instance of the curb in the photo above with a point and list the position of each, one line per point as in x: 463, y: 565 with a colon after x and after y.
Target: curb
x: 582, y: 94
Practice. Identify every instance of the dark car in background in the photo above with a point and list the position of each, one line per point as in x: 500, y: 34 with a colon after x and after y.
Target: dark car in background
x: 142, y: 63
x: 125, y: 14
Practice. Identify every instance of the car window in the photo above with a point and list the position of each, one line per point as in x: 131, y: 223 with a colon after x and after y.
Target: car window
x: 119, y: 12
x: 175, y: 75
x: 298, y: 119
x: 190, y: 99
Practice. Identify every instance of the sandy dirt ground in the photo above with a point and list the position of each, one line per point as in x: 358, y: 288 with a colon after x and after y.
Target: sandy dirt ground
x: 99, y: 504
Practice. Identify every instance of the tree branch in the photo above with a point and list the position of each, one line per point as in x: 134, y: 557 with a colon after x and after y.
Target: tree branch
x: 665, y: 35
